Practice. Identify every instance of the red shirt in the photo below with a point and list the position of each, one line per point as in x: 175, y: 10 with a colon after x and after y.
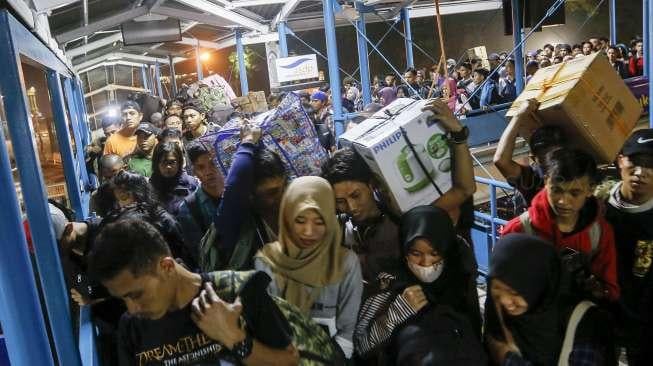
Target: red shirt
x: 604, y: 262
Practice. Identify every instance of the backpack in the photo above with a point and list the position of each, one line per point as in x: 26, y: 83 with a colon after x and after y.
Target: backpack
x: 438, y: 336
x: 312, y: 342
x: 594, y: 231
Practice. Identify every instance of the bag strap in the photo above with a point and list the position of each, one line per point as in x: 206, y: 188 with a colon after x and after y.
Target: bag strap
x: 525, y: 220
x: 570, y: 334
x: 595, y: 237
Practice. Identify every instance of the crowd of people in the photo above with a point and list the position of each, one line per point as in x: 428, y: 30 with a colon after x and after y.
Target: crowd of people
x: 253, y: 267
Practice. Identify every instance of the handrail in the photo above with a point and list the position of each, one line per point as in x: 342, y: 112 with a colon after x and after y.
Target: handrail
x: 491, y: 109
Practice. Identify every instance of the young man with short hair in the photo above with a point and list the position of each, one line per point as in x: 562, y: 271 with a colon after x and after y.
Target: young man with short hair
x: 140, y: 161
x: 489, y: 94
x: 323, y: 120
x: 630, y: 211
x: 414, y: 89
x: 175, y: 316
x: 528, y: 180
x: 588, y: 49
x: 371, y: 228
x: 567, y: 214
x: 194, y: 121
x: 123, y: 142
x: 614, y: 55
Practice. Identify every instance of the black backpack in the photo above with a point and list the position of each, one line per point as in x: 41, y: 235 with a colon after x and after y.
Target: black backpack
x: 438, y: 335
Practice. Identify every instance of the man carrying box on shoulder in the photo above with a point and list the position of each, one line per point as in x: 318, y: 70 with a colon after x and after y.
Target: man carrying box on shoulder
x: 371, y: 229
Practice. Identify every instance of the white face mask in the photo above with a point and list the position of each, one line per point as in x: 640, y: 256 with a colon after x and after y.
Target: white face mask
x: 427, y: 274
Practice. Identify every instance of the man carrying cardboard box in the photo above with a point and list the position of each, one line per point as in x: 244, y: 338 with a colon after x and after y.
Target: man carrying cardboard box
x: 371, y: 228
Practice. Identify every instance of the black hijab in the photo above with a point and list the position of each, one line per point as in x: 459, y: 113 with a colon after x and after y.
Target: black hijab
x: 435, y: 225
x: 531, y: 267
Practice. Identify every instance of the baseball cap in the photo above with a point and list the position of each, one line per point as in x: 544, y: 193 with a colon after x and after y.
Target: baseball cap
x: 130, y: 104
x: 148, y: 128
x: 494, y: 57
x: 532, y: 54
x: 319, y: 95
x: 640, y: 142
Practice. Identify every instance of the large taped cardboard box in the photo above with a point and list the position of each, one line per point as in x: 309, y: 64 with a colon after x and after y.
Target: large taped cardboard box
x: 588, y: 99
x: 253, y: 102
x: 380, y: 141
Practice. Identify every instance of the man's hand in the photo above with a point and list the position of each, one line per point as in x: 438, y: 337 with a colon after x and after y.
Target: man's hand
x: 444, y: 115
x: 250, y: 133
x: 218, y: 319
x: 527, y: 111
x: 415, y: 297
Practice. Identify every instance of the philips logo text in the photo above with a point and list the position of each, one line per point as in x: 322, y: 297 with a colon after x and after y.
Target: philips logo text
x: 387, y: 142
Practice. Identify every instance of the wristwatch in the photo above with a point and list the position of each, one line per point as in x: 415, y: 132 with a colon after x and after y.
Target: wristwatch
x: 243, y: 349
x: 459, y: 137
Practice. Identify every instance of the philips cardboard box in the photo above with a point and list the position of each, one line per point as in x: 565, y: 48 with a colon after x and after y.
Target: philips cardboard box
x: 380, y: 141
x: 588, y: 100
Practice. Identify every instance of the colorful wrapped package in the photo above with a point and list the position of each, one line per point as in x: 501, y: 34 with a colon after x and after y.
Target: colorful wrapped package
x: 287, y: 131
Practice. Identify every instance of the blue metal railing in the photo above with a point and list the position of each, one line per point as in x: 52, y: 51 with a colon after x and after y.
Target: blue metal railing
x: 485, y: 239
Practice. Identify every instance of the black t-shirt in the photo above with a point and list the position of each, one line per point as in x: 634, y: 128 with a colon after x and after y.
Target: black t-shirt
x: 633, y: 228
x: 527, y: 185
x: 171, y: 340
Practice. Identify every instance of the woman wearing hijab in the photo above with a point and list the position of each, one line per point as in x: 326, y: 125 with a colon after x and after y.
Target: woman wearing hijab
x: 171, y: 183
x: 437, y: 276
x: 387, y: 95
x: 528, y: 311
x: 309, y: 267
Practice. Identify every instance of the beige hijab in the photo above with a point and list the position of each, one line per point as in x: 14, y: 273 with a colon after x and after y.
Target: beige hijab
x: 316, y: 267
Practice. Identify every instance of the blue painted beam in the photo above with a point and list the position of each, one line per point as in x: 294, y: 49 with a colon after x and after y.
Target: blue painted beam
x: 242, y: 70
x: 517, y: 17
x: 408, y: 39
x: 63, y: 134
x: 35, y: 200
x: 78, y: 121
x: 334, y: 73
x: 20, y: 311
x: 648, y: 37
x: 173, y: 77
x: 612, y: 6
x: 363, y: 60
x: 283, y: 42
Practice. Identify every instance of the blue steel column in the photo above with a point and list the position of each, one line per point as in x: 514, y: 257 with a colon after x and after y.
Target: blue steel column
x: 173, y: 77
x: 144, y: 77
x: 517, y: 13
x: 63, y: 136
x: 646, y: 34
x: 157, y: 76
x: 283, y: 42
x: 612, y: 6
x: 363, y: 61
x: 36, y: 205
x: 648, y: 60
x: 334, y: 70
x: 20, y: 312
x: 240, y: 50
x: 410, y: 62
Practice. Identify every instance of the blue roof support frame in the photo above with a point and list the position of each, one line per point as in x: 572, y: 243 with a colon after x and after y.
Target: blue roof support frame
x: 648, y: 60
x: 20, y: 312
x: 67, y: 156
x: 283, y: 41
x: 646, y: 34
x: 146, y: 84
x: 157, y: 76
x: 363, y: 60
x: 173, y: 77
x: 334, y: 73
x: 410, y: 61
x: 517, y: 17
x: 242, y: 70
x: 14, y: 42
x: 83, y: 127
x: 612, y: 6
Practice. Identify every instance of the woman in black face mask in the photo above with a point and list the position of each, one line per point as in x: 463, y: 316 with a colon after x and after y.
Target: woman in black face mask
x: 429, y: 295
x: 529, y: 315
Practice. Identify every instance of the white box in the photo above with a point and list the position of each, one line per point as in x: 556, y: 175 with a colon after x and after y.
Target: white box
x: 380, y: 141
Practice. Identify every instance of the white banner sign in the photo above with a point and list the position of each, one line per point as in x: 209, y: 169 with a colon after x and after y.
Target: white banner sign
x: 297, y: 68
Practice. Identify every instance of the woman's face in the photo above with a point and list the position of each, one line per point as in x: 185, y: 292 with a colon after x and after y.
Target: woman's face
x: 507, y: 299
x: 123, y: 196
x: 169, y: 166
x: 308, y: 229
x: 423, y: 254
x: 400, y: 93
